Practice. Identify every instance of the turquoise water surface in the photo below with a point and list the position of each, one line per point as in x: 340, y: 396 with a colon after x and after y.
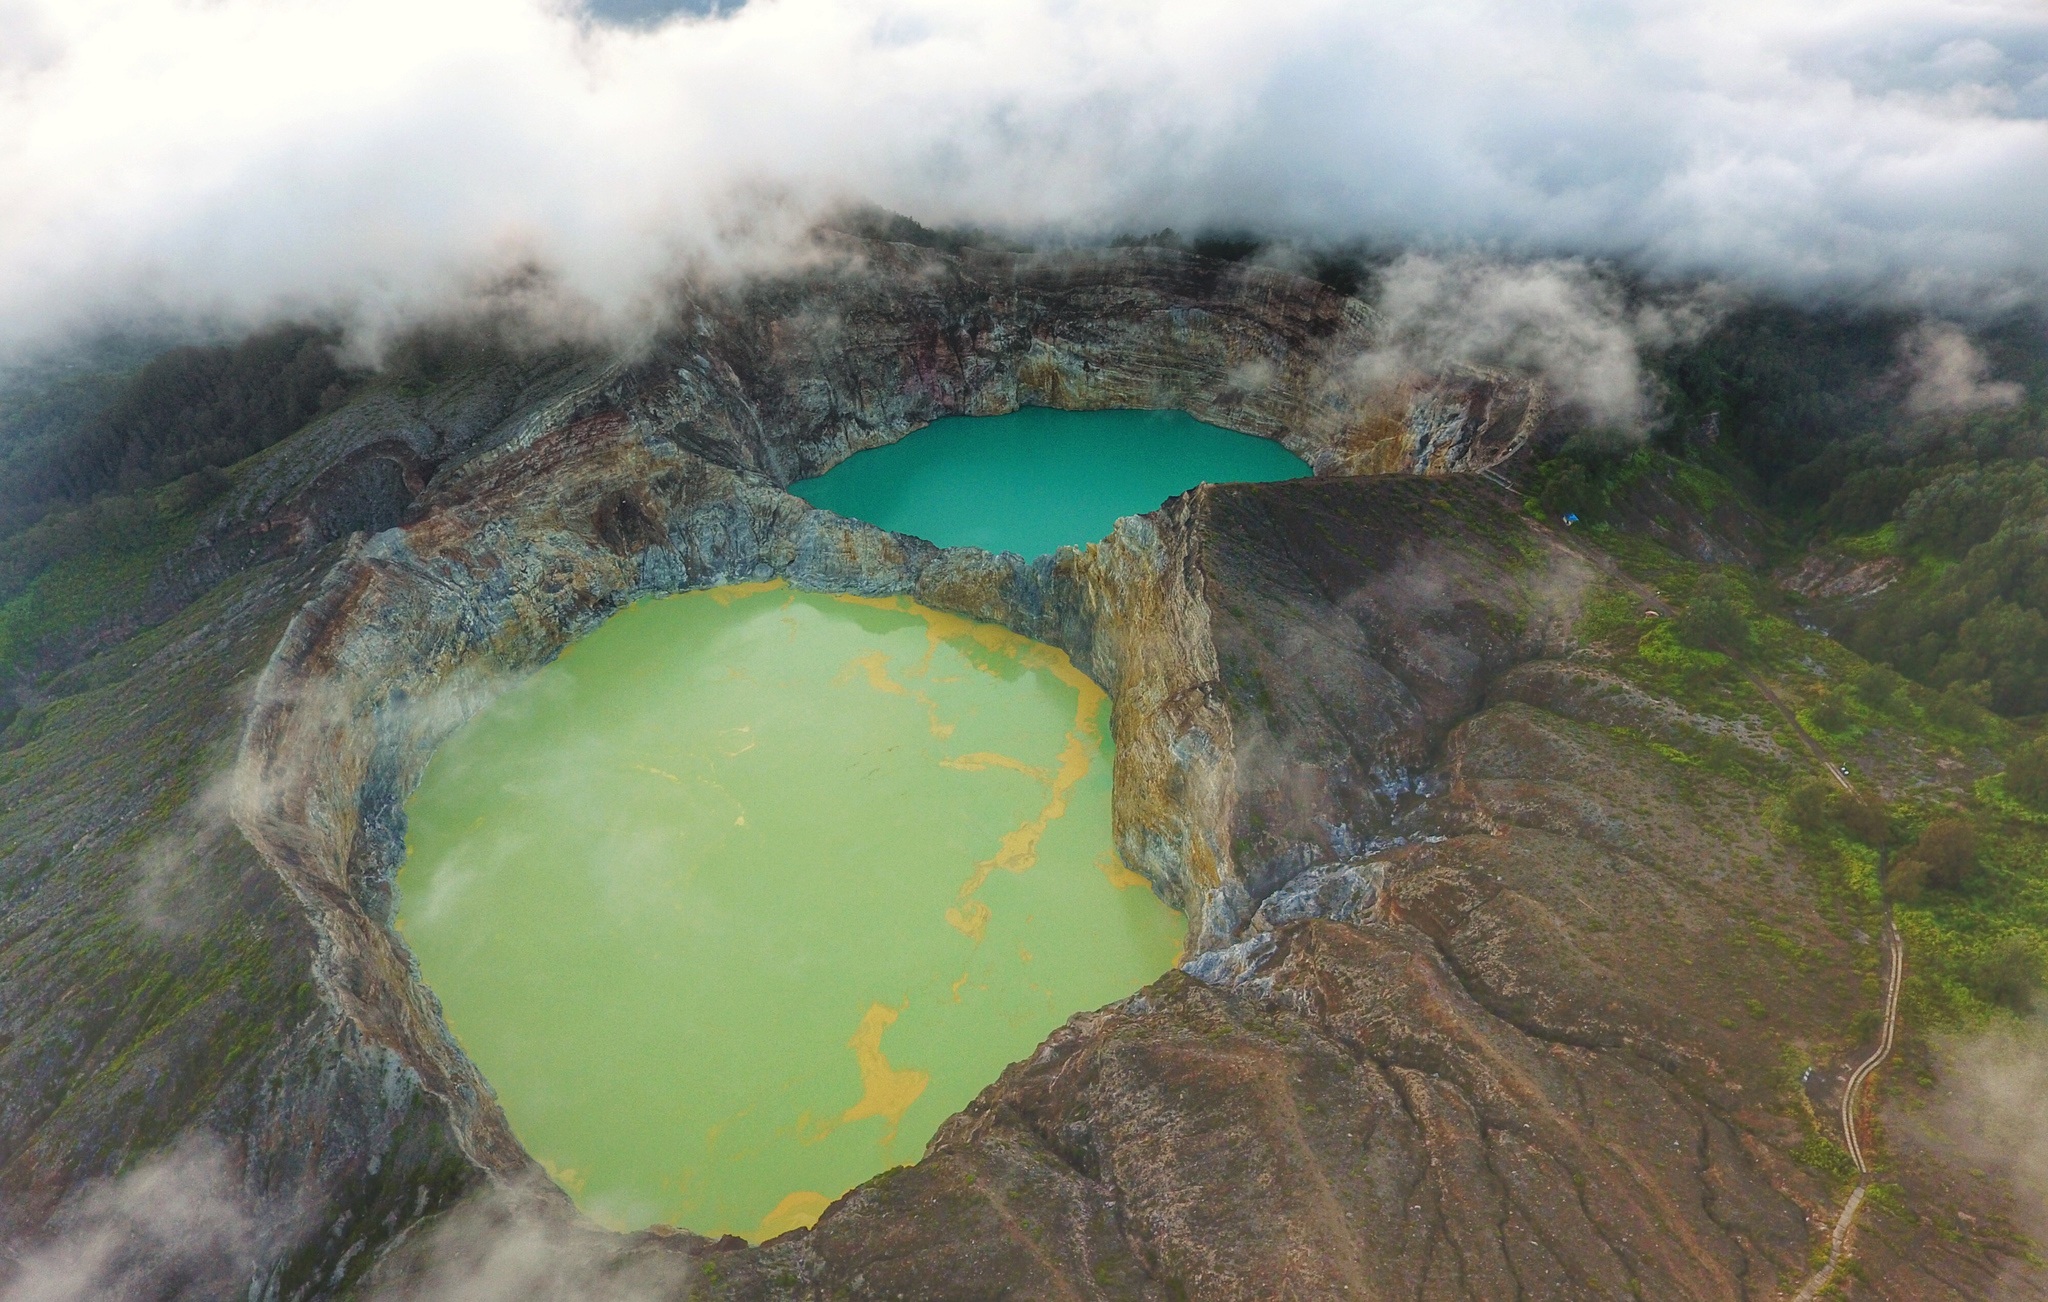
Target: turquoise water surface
x: 1038, y: 478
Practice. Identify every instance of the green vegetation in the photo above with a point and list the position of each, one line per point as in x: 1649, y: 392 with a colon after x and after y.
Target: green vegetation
x: 72, y: 439
x: 1878, y: 686
x: 1826, y: 1156
x: 1956, y: 500
x: 2026, y: 774
x: 1784, y: 385
x: 71, y: 574
x: 1812, y: 408
x: 1955, y: 503
x: 1715, y: 617
x: 105, y: 468
x: 1588, y: 474
x: 1888, y: 1198
x: 2008, y: 973
x: 1965, y: 868
x: 1799, y: 423
x: 1970, y: 614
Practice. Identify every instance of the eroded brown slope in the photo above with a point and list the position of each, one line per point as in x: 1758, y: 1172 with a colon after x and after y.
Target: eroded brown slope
x: 1534, y: 1074
x: 1548, y: 1064
x: 1545, y: 1062
x: 1473, y: 1095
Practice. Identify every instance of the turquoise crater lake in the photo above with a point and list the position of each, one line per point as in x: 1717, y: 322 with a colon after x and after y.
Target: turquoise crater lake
x: 1037, y: 479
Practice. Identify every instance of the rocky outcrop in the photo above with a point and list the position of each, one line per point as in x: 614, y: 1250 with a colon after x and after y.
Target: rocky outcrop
x: 1593, y: 695
x: 1835, y: 581
x: 1356, y: 621
x: 789, y: 376
x: 665, y: 477
x: 1472, y: 1007
x: 1529, y: 1061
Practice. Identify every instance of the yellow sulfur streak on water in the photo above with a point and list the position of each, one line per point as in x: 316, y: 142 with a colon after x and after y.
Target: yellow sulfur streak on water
x: 990, y: 760
x: 942, y: 627
x: 1019, y: 850
x: 885, y: 1091
x: 970, y: 919
x: 799, y: 1210
x: 1112, y: 866
x: 733, y: 592
x: 875, y: 665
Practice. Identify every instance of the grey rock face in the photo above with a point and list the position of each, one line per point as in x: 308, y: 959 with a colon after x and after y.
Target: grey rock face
x: 1339, y: 892
x: 1232, y: 964
x: 478, y: 520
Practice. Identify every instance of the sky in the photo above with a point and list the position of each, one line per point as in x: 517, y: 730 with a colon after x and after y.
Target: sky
x: 237, y: 160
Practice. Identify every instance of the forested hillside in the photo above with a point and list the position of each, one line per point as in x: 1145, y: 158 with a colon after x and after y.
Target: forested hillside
x: 189, y: 409
x: 1859, y: 483
x: 1859, y: 437
x: 105, y: 462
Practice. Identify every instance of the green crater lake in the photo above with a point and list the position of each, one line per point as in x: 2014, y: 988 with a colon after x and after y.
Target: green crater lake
x: 1036, y: 479
x: 741, y: 897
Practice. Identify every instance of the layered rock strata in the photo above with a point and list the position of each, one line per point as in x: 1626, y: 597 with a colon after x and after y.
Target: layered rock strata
x: 1487, y: 994
x: 667, y: 476
x: 1515, y: 1049
x: 787, y: 377
x: 1410, y: 1067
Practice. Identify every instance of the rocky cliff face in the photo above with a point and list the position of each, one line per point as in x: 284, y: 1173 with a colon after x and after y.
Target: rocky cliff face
x: 787, y: 378
x: 666, y: 477
x: 1514, y: 1028
x: 1419, y: 1054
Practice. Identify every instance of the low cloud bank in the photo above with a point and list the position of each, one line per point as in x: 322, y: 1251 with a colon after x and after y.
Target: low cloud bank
x: 1948, y: 374
x: 502, y: 1246
x: 174, y: 1226
x: 1561, y: 319
x: 1988, y: 1112
x: 383, y: 160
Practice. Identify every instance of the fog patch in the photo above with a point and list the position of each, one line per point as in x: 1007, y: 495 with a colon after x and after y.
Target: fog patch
x: 517, y: 1246
x: 175, y: 1226
x: 1252, y: 377
x: 1557, y: 600
x: 1568, y: 321
x: 179, y: 889
x: 1948, y: 375
x: 1987, y: 1113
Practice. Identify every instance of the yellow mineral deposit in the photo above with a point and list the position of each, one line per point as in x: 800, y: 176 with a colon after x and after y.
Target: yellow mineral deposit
x: 1112, y: 866
x: 875, y: 667
x: 795, y: 1212
x: 1019, y: 850
x: 885, y: 1091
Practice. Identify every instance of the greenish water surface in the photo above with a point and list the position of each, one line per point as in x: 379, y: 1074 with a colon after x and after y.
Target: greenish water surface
x: 1036, y: 479
x: 752, y: 888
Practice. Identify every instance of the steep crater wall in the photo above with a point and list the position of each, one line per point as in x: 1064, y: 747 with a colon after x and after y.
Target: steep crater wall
x: 667, y: 476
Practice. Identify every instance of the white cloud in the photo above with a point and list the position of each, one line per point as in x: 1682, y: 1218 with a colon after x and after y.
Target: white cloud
x: 251, y: 156
x: 174, y: 1226
x: 1561, y: 319
x: 1986, y: 1112
x: 503, y: 1247
x: 1949, y: 375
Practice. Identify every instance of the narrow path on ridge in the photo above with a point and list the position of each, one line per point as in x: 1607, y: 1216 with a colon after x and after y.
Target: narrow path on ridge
x: 1893, y: 945
x: 1838, y: 1242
